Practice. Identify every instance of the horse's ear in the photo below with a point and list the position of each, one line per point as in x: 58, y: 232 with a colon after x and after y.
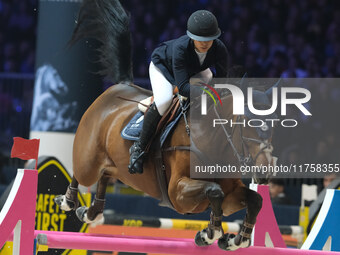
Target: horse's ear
x: 269, y: 92
x: 243, y: 84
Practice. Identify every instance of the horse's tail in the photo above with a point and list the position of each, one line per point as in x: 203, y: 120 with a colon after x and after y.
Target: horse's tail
x: 108, y: 22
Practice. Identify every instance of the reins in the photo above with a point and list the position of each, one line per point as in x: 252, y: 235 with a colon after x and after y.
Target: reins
x: 192, y: 147
x: 244, y: 158
x: 132, y: 100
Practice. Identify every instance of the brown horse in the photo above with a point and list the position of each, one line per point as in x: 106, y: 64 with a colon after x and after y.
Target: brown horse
x: 100, y: 153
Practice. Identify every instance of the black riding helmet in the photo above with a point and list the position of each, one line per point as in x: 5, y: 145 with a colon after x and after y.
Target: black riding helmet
x: 203, y: 26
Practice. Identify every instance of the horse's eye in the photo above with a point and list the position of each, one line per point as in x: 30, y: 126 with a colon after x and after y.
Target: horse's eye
x: 265, y: 127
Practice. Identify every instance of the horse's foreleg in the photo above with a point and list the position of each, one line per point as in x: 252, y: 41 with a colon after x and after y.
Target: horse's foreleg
x: 69, y: 201
x: 94, y: 214
x: 214, y: 230
x: 195, y: 195
x: 253, y: 203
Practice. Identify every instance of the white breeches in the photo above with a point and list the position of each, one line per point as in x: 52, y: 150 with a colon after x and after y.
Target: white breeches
x: 163, y: 90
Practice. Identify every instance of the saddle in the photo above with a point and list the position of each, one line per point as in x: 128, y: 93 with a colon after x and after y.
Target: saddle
x: 132, y: 130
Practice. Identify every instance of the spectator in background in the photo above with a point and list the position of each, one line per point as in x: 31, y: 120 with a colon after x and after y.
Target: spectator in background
x: 294, y: 69
x: 276, y: 191
x: 271, y: 38
x: 327, y: 179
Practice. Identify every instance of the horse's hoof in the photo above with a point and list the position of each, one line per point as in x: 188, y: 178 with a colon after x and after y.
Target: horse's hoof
x: 64, y: 203
x: 199, y: 240
x: 81, y: 213
x: 227, y: 242
x: 99, y: 220
x: 202, y: 239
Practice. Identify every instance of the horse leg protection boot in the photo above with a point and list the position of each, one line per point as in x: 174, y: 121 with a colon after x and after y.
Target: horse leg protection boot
x: 137, y: 150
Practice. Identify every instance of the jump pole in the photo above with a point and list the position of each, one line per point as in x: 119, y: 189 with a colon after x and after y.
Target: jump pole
x: 71, y: 240
x: 166, y: 223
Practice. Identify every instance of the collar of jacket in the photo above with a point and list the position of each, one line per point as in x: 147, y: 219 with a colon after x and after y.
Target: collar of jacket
x: 194, y: 56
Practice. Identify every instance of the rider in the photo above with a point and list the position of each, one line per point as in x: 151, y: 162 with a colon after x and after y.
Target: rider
x: 173, y: 63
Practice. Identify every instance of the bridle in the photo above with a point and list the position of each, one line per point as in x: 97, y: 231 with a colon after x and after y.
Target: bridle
x: 244, y: 157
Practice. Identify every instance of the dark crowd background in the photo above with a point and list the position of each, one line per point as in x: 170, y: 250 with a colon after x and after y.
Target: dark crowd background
x: 269, y: 38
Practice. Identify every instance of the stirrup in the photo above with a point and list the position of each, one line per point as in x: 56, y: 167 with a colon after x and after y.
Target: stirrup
x: 131, y: 168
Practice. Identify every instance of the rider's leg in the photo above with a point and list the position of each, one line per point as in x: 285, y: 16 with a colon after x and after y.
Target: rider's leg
x: 162, y: 91
x: 151, y: 120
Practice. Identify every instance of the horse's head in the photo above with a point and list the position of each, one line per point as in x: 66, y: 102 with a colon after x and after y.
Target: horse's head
x: 49, y: 80
x: 241, y: 140
x: 256, y: 136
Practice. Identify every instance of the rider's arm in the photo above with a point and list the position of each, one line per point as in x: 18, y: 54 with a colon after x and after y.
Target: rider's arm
x: 181, y: 75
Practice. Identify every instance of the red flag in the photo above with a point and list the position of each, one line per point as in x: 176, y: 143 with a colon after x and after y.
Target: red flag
x: 25, y: 149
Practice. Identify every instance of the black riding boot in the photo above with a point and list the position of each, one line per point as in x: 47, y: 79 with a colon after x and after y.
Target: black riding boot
x: 151, y: 120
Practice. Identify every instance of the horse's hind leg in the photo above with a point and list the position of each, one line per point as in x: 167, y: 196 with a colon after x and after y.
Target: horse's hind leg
x: 190, y: 196
x: 94, y: 214
x: 69, y: 201
x: 253, y: 202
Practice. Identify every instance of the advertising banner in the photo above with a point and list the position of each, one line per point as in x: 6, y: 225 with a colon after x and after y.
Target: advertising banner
x: 66, y: 82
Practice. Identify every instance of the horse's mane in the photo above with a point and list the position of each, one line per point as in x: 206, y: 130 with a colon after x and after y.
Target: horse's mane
x: 107, y: 22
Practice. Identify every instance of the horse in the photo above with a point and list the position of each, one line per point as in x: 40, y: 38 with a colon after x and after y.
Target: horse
x: 100, y: 153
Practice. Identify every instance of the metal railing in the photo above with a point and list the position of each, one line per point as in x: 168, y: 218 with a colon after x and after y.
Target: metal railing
x: 16, y: 96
